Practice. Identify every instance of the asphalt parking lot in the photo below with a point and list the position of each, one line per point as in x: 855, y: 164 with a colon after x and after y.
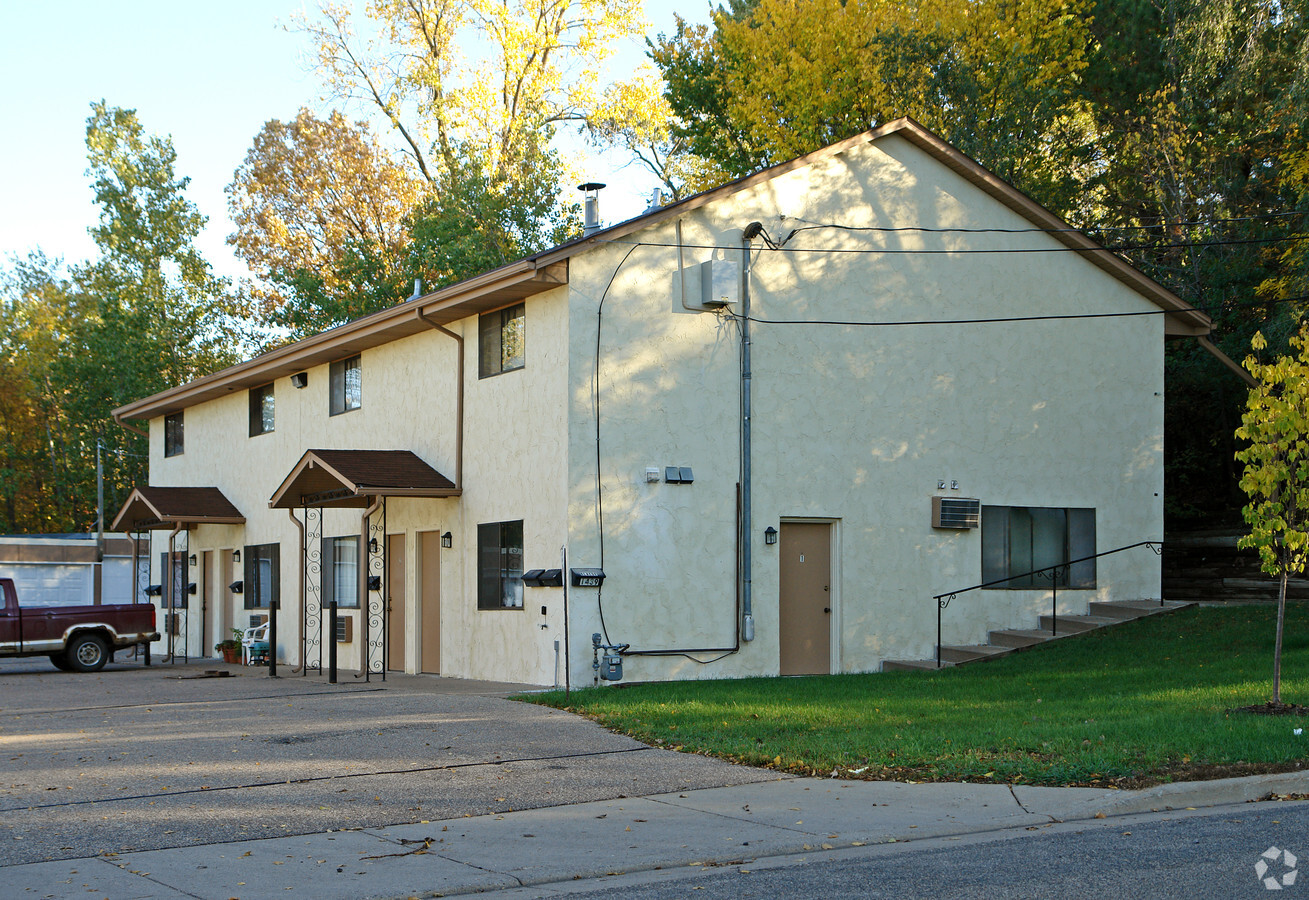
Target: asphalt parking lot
x: 134, y: 758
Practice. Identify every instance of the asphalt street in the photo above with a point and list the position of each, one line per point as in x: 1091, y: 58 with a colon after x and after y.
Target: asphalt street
x: 1210, y: 853
x: 132, y: 758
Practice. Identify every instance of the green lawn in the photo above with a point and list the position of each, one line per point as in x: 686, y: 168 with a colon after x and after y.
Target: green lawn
x: 1148, y: 701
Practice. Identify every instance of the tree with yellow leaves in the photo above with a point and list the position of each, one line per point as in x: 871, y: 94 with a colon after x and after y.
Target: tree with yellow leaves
x: 310, y: 193
x: 1276, y: 475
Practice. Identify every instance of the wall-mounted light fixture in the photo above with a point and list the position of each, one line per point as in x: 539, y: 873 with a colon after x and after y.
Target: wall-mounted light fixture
x: 299, y: 379
x: 770, y: 535
x: 447, y: 540
x: 372, y: 545
x: 191, y: 559
x: 236, y: 556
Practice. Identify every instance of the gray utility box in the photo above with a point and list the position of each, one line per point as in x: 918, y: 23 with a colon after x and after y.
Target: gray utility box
x: 611, y: 667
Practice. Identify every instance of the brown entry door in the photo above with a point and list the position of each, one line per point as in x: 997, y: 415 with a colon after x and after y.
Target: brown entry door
x: 395, y: 598
x: 429, y: 600
x: 805, y: 612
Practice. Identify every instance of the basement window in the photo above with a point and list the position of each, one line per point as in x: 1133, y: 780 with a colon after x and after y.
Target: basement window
x: 1020, y: 540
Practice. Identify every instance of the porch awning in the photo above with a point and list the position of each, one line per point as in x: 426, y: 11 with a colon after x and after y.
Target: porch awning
x: 351, y: 477
x: 151, y: 508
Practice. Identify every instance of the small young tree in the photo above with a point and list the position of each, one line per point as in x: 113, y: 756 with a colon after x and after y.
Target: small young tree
x: 1276, y: 476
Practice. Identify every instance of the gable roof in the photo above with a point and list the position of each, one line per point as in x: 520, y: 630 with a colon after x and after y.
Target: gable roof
x: 549, y: 269
x: 351, y: 477
x: 150, y: 508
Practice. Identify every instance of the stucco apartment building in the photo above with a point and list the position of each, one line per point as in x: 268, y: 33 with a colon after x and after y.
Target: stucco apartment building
x: 778, y: 417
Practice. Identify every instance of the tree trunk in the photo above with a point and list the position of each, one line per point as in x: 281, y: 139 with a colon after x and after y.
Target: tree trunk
x: 1277, y: 647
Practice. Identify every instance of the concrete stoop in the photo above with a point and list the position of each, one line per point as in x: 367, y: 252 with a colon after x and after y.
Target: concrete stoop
x: 1100, y: 614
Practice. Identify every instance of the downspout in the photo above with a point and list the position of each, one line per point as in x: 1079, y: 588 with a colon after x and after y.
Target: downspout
x: 170, y: 610
x: 747, y: 527
x: 300, y: 578
x: 363, y: 579
x: 459, y: 399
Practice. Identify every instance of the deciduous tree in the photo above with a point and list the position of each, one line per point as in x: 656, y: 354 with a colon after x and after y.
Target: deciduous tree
x: 1276, y: 474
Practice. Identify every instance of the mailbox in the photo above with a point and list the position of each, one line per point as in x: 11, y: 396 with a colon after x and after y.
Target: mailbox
x: 587, y: 577
x: 552, y: 578
x: 532, y: 577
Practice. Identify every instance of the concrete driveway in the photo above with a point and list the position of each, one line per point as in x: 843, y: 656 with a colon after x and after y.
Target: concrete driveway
x: 135, y: 758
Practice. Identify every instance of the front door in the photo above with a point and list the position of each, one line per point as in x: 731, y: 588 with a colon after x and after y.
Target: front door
x: 429, y: 599
x: 395, y: 599
x: 805, y: 601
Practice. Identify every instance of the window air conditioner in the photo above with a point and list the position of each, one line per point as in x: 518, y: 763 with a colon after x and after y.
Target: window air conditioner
x: 956, y: 512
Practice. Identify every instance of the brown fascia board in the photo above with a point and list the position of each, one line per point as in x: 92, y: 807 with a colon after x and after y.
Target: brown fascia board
x: 1182, y: 318
x: 490, y: 290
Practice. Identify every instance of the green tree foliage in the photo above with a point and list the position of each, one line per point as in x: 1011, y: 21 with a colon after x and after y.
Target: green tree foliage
x: 144, y: 316
x: 1276, y: 474
x: 1172, y: 129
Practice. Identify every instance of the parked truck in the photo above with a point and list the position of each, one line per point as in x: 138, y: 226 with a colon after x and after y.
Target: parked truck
x: 76, y: 638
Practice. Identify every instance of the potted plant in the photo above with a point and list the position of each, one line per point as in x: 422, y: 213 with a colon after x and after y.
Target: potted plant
x: 231, y: 648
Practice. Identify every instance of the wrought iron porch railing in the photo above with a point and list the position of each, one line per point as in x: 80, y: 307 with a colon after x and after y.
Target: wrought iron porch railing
x: 1049, y: 572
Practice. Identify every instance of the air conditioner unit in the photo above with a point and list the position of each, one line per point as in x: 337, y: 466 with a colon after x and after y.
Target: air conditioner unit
x: 956, y: 512
x: 256, y: 621
x: 172, y: 623
x: 345, y: 629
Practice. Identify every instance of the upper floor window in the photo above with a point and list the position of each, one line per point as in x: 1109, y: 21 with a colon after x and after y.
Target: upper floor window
x: 261, y: 410
x: 502, y: 341
x: 173, y: 443
x: 347, y: 385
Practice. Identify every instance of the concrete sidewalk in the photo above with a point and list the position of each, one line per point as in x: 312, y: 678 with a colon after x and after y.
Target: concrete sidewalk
x: 533, y: 849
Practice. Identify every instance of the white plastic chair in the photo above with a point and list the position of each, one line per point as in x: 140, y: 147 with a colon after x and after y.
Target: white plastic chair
x: 254, y: 643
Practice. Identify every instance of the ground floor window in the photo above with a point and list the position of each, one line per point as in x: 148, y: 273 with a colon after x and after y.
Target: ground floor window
x: 262, y: 575
x: 500, y: 565
x: 341, y: 555
x: 177, y: 571
x: 1020, y: 540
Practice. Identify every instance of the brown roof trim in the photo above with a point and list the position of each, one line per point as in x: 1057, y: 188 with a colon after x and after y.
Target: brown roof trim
x: 353, y: 477
x: 151, y: 508
x: 1187, y: 319
x: 513, y: 282
x: 490, y: 290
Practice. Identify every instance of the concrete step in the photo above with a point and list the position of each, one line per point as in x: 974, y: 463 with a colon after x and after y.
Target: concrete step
x: 962, y: 654
x: 1019, y: 638
x: 1076, y: 624
x: 912, y: 665
x: 1133, y: 609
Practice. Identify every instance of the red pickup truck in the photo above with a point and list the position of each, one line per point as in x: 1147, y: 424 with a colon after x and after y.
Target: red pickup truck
x: 76, y: 638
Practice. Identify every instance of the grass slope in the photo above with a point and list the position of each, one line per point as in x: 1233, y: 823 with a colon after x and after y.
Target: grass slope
x: 1148, y: 701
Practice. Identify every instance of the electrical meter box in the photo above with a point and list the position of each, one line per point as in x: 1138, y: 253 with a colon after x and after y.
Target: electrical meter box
x: 611, y: 667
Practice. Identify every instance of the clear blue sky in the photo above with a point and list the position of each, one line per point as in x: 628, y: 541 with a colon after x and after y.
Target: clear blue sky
x: 208, y: 74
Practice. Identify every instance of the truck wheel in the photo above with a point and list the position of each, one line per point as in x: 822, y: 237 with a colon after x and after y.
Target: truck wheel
x: 60, y: 661
x: 87, y: 653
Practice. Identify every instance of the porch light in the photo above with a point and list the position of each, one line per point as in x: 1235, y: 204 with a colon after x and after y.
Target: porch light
x: 372, y: 545
x: 236, y: 556
x: 447, y: 540
x: 191, y: 559
x: 770, y: 535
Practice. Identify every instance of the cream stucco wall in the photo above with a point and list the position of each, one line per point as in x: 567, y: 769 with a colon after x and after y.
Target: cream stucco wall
x: 854, y: 425
x: 513, y: 437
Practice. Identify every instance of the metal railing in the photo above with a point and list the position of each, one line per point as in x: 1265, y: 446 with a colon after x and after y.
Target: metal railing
x: 1050, y: 572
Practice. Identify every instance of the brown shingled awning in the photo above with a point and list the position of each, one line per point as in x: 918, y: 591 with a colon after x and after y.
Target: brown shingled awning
x: 149, y: 508
x: 350, y: 477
